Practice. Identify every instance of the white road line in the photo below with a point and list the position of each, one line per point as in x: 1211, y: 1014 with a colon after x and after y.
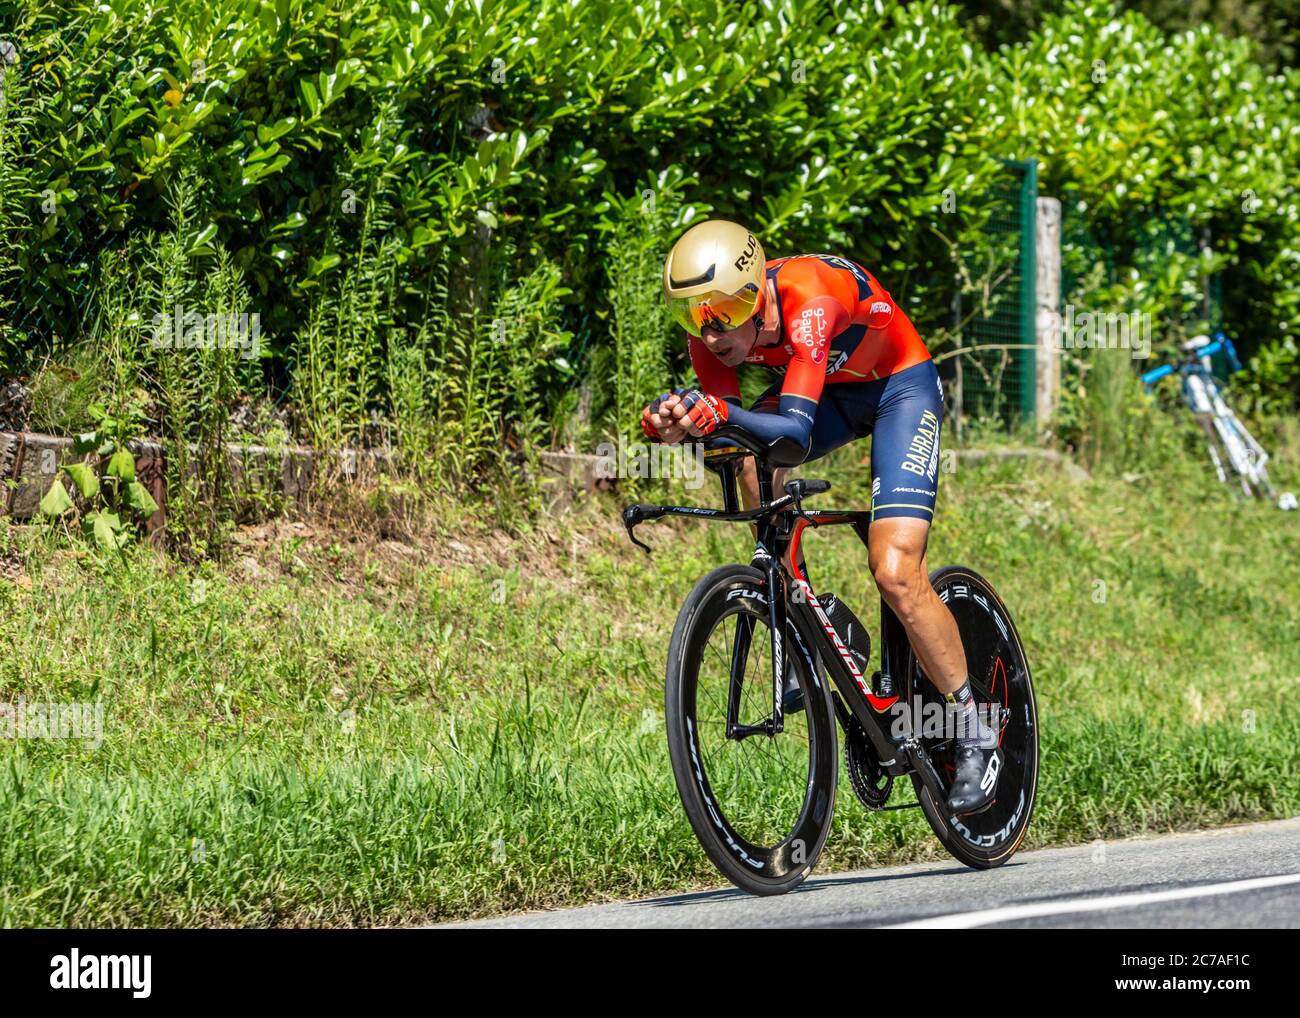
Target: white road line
x: 988, y: 916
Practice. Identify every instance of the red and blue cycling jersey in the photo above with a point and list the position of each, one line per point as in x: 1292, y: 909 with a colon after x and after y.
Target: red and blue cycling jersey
x: 838, y: 325
x: 850, y: 365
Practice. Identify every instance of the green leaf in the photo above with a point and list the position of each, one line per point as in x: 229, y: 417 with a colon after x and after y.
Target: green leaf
x: 265, y: 134
x: 199, y: 242
x: 258, y: 170
x: 291, y: 222
x: 319, y: 266
x: 138, y: 497
x: 56, y: 501
x: 309, y: 96
x: 107, y: 528
x: 84, y: 478
x: 122, y: 465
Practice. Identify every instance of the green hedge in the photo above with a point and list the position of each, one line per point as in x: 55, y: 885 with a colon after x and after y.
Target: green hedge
x: 1144, y: 128
x: 395, y: 172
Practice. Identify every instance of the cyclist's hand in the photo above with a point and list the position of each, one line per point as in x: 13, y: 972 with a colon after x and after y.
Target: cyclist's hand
x: 700, y: 413
x: 658, y: 421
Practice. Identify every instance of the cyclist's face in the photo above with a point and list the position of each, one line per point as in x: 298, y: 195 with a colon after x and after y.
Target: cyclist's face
x: 730, y: 347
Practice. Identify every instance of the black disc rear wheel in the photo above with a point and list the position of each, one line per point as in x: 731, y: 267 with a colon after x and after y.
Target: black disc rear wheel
x: 761, y: 806
x: 1000, y: 680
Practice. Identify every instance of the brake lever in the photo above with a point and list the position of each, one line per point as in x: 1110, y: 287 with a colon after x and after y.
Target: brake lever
x: 633, y: 538
x: 636, y: 514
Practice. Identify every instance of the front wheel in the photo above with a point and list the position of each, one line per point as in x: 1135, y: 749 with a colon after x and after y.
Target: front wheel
x: 760, y: 806
x: 1000, y: 678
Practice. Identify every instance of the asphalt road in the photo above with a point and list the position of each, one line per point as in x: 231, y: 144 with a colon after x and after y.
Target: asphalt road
x: 1246, y: 876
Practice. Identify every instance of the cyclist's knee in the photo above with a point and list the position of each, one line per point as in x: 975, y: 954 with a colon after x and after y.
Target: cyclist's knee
x: 898, y: 568
x: 748, y: 479
x: 902, y: 584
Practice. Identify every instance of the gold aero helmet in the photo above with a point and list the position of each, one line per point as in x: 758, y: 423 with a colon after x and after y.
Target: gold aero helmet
x: 714, y: 276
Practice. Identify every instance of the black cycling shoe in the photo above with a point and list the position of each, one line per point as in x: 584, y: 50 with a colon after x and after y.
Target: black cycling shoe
x: 976, y: 781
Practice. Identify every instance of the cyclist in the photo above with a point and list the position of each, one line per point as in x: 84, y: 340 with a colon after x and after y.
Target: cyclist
x: 850, y: 364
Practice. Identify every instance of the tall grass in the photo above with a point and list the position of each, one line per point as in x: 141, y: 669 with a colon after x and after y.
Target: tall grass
x: 196, y: 386
x: 348, y: 739
x: 641, y: 326
x: 352, y: 300
x: 16, y: 194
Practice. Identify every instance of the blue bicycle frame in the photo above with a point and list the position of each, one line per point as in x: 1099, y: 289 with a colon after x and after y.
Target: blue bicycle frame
x: 1221, y: 342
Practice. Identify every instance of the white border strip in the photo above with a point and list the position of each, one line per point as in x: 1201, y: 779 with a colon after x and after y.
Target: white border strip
x: 1009, y: 913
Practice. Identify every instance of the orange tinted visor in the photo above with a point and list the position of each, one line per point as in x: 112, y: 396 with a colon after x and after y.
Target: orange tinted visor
x: 722, y: 311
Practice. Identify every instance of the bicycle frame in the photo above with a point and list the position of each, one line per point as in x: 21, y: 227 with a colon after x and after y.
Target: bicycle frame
x: 1200, y: 393
x: 781, y: 523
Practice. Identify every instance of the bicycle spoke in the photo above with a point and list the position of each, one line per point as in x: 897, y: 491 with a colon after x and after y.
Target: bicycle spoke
x: 759, y: 781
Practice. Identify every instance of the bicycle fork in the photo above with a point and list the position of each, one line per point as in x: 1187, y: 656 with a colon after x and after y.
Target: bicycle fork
x: 776, y: 617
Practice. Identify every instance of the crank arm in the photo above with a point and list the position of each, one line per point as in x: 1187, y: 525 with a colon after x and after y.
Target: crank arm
x: 925, y: 769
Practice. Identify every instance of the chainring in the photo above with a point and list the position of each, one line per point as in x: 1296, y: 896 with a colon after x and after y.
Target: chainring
x: 871, y: 785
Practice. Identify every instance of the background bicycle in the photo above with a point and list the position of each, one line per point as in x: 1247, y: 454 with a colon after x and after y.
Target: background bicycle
x: 1236, y: 456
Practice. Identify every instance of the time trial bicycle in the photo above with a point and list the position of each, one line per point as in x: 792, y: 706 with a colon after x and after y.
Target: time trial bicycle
x: 756, y: 767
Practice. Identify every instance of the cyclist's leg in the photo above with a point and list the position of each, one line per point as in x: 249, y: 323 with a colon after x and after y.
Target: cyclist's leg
x: 904, y: 484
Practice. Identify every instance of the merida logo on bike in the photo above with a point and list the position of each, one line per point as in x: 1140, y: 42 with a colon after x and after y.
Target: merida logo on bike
x: 923, y: 453
x: 836, y: 642
x: 75, y: 971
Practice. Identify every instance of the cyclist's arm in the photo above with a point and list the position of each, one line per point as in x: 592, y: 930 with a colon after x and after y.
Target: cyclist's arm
x: 788, y: 432
x: 791, y: 426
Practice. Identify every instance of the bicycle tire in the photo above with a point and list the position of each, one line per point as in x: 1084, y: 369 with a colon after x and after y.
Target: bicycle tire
x: 728, y: 591
x: 990, y: 838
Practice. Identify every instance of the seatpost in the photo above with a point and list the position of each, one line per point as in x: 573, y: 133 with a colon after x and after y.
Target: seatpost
x: 893, y: 637
x: 764, y: 484
x: 727, y: 475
